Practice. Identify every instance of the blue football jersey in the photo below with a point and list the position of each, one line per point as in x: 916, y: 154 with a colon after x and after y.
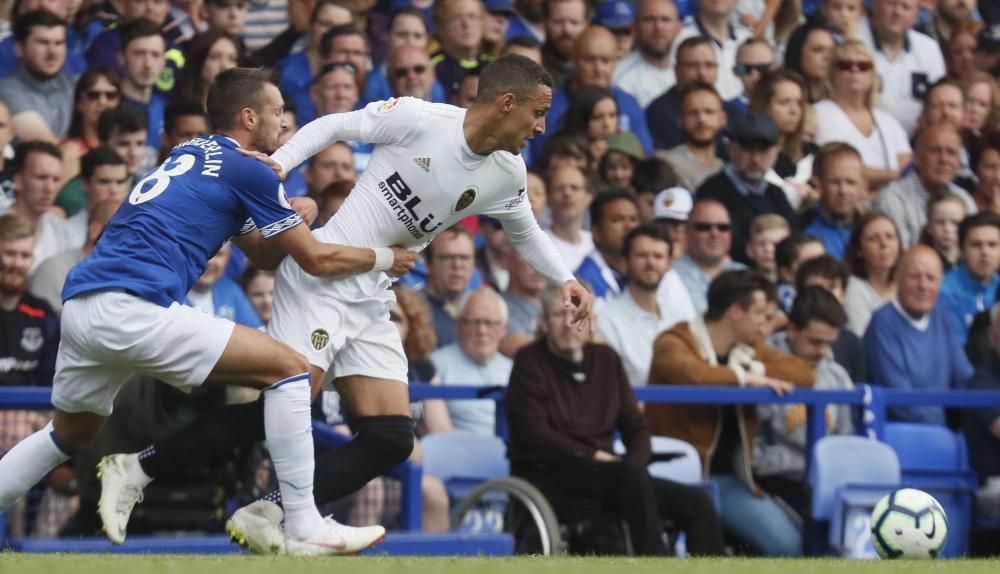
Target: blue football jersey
x: 176, y: 218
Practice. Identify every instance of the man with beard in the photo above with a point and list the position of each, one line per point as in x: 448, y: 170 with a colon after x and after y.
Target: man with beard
x: 702, y: 120
x: 741, y: 186
x: 647, y: 71
x: 29, y: 335
x: 842, y: 188
x: 564, y: 21
x: 40, y: 93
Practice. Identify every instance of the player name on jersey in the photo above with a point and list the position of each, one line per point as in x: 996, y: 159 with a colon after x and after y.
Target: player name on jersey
x: 212, y: 149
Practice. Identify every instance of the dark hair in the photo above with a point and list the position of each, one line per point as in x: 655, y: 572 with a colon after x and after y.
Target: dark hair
x: 26, y: 22
x: 817, y: 304
x: 120, y: 120
x: 178, y: 109
x: 944, y: 81
x: 25, y: 149
x: 653, y: 175
x: 787, y: 250
x: 83, y: 84
x: 457, y: 230
x: 190, y: 85
x: 95, y: 158
x: 852, y: 252
x: 690, y: 44
x: 141, y: 28
x: 563, y: 143
x: 326, y: 42
x: 233, y: 90
x: 547, y: 7
x: 797, y: 41
x: 830, y: 151
x: 581, y: 108
x: 698, y: 86
x: 407, y: 11
x: 826, y: 266
x: 604, y: 199
x: 319, y: 5
x: 981, y: 219
x: 736, y: 288
x: 650, y: 230
x: 511, y: 73
x: 989, y: 141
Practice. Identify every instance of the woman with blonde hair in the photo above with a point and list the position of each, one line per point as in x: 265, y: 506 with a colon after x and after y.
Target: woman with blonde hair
x: 851, y: 116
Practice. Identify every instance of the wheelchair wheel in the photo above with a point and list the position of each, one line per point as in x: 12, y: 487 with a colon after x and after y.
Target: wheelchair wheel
x: 528, y: 516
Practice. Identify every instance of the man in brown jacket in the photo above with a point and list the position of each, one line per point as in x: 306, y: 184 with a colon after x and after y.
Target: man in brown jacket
x: 725, y: 347
x: 566, y: 399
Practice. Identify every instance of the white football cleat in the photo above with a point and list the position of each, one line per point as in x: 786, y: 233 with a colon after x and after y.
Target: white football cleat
x: 257, y: 526
x: 122, y: 481
x: 335, y: 538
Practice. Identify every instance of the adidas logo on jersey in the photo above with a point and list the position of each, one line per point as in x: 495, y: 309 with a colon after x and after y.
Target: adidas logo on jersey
x: 424, y: 163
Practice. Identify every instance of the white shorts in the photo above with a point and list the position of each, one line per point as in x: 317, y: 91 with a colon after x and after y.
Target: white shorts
x: 108, y: 336
x: 340, y: 324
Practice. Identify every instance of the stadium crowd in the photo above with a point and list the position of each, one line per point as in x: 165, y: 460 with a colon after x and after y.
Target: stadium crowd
x: 769, y: 193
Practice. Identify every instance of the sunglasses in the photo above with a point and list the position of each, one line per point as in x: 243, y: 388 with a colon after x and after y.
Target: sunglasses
x: 744, y: 69
x: 95, y: 95
x: 706, y: 227
x: 403, y: 72
x: 854, y: 66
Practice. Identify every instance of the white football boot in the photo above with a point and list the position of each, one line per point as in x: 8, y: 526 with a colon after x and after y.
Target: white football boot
x: 122, y: 482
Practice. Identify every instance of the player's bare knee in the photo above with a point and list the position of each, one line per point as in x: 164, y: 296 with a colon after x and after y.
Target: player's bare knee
x: 290, y: 364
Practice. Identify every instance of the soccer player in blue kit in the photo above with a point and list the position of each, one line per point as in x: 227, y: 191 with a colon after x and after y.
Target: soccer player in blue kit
x: 122, y: 312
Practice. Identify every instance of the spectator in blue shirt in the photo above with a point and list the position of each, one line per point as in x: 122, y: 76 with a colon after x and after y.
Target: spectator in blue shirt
x: 839, y: 171
x: 971, y: 287
x: 911, y: 343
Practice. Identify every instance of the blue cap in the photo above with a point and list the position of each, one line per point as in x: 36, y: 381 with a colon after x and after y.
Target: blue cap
x: 615, y: 14
x: 500, y: 6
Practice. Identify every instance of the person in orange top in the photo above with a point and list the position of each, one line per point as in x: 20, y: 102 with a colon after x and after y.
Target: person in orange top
x: 725, y: 347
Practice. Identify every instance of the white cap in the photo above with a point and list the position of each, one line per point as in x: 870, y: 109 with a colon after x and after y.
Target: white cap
x: 673, y: 203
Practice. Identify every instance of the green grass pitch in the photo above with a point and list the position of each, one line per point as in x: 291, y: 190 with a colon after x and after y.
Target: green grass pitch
x: 167, y: 564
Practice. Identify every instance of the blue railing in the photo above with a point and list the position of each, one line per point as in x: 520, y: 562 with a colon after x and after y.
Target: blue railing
x: 873, y: 400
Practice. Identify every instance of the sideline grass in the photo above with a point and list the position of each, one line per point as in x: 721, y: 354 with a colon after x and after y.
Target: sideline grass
x: 170, y: 564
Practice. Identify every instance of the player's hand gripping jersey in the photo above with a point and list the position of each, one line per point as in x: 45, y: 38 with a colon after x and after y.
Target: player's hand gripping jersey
x: 422, y: 179
x: 176, y: 218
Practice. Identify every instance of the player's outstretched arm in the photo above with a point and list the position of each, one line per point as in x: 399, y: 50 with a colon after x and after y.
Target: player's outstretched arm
x: 322, y: 259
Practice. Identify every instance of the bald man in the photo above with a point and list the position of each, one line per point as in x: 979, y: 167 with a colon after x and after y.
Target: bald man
x: 938, y: 159
x: 593, y: 60
x: 911, y: 343
x: 410, y: 72
x: 647, y: 71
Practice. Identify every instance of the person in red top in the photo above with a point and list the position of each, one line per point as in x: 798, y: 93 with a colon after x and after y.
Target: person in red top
x: 566, y: 398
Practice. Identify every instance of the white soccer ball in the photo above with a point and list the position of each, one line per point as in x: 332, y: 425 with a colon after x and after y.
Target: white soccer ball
x: 909, y: 523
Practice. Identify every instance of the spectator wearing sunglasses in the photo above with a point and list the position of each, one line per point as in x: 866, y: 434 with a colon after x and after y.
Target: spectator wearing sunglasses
x: 741, y: 185
x: 908, y: 62
x: 851, y: 116
x: 708, y: 236
x: 411, y: 74
x: 754, y: 59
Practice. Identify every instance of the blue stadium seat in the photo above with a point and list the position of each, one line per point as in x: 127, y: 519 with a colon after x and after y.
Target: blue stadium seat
x: 936, y: 460
x: 844, y: 494
x: 462, y: 460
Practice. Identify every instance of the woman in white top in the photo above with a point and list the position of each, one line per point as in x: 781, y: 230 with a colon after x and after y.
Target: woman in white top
x: 850, y: 115
x: 872, y: 253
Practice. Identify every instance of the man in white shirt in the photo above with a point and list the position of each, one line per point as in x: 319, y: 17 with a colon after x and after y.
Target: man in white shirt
x: 671, y: 209
x: 631, y: 321
x: 647, y: 71
x: 475, y: 359
x: 569, y: 198
x: 908, y: 62
x: 714, y: 20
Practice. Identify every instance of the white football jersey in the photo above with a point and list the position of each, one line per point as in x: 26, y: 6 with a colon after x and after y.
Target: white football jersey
x: 424, y: 178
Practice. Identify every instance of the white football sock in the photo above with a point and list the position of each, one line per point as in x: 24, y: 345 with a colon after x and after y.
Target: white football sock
x: 288, y: 428
x: 27, y: 463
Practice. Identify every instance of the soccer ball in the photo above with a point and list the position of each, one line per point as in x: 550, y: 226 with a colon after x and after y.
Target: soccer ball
x: 909, y: 523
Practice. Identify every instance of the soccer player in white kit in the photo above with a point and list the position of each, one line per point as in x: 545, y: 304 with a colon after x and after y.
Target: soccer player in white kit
x: 433, y: 165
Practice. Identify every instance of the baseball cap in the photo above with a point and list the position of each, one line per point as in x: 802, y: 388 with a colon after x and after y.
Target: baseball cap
x: 500, y: 7
x: 755, y: 129
x: 627, y: 143
x: 673, y: 203
x: 988, y: 39
x: 614, y: 14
